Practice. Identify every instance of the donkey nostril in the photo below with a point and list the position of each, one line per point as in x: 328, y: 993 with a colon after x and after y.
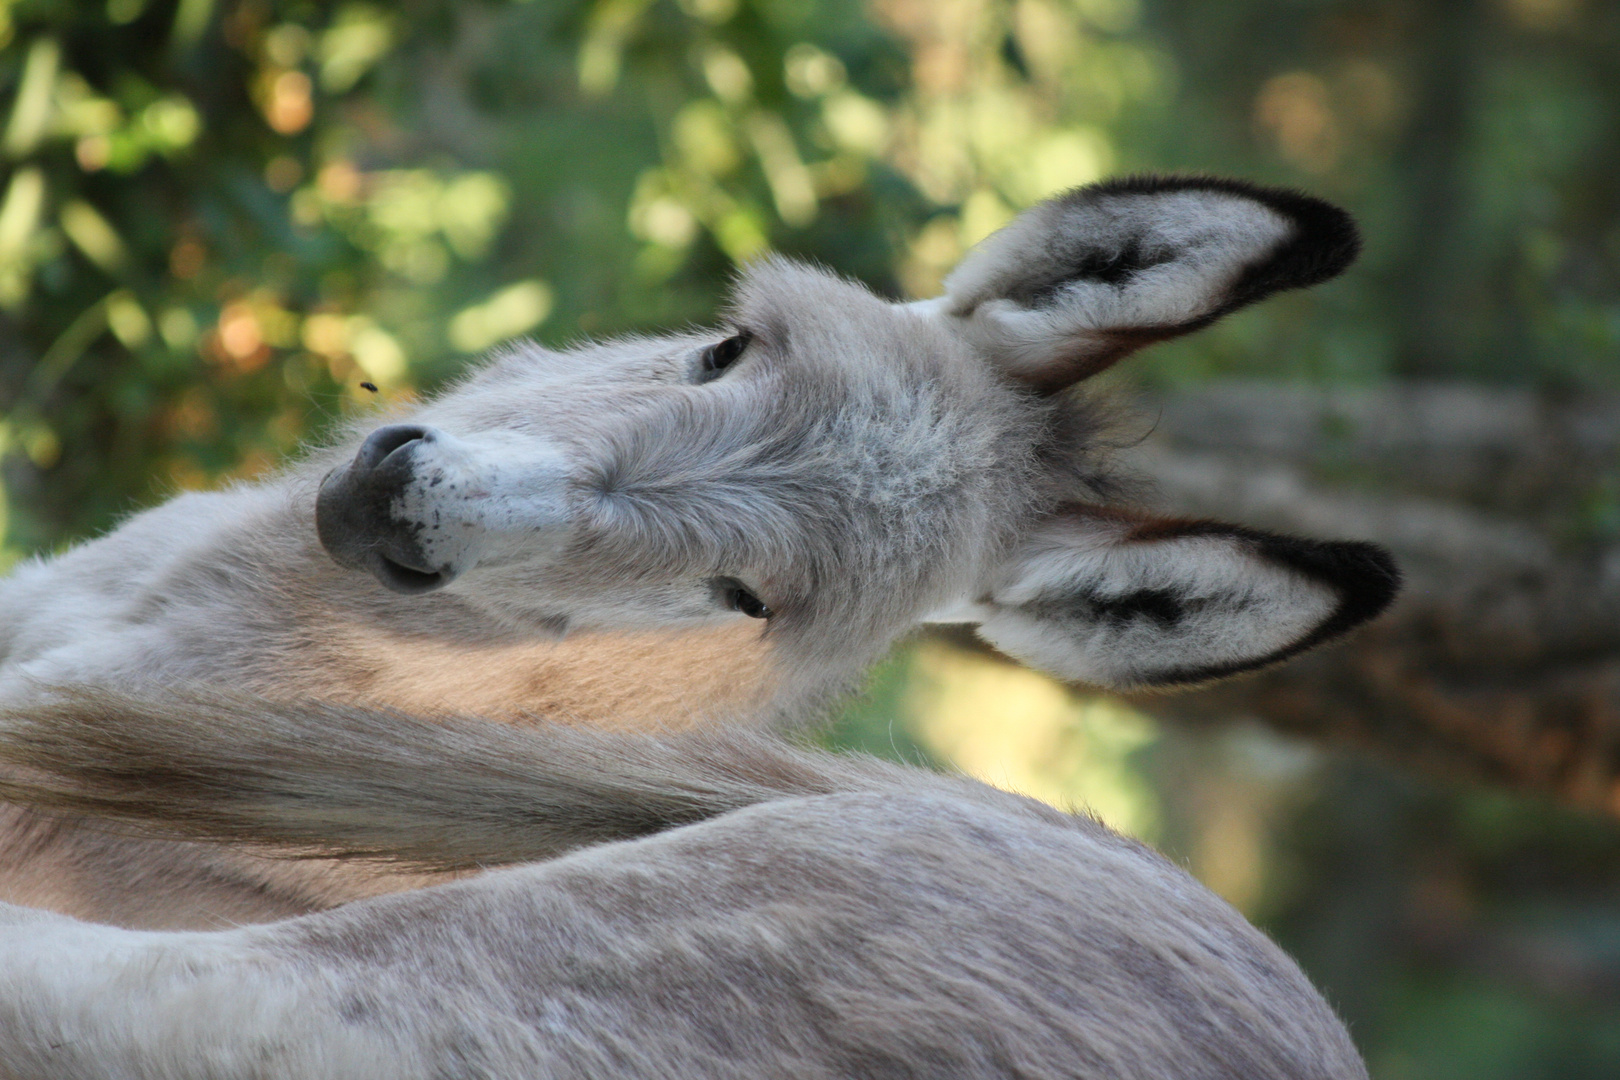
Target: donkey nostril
x: 360, y: 524
x: 385, y: 440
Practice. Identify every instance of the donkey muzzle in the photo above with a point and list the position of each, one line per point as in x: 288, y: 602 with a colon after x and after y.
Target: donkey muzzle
x: 360, y: 516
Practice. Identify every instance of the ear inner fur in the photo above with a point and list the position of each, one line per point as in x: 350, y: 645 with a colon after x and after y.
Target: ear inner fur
x: 1092, y: 578
x: 1251, y: 242
x: 1363, y: 575
x: 1324, y: 243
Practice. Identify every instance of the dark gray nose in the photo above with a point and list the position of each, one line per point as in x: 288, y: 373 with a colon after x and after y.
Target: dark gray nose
x: 354, y: 512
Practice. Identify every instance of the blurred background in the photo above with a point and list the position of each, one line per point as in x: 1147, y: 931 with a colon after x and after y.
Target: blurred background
x: 220, y: 218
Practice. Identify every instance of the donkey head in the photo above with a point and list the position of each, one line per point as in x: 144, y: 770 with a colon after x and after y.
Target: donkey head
x: 844, y: 468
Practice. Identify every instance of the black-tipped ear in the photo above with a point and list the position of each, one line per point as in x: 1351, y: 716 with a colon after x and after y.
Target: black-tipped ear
x: 1325, y: 243
x: 1364, y: 576
x: 1128, y: 602
x: 1081, y: 280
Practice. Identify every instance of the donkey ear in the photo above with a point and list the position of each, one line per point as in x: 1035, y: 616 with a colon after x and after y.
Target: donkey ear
x: 1081, y: 280
x: 1129, y: 603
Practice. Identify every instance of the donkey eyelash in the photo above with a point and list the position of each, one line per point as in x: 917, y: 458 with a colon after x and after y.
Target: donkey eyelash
x: 716, y: 358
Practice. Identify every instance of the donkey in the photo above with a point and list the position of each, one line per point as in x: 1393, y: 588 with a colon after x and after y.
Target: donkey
x: 704, y: 526
x: 747, y: 910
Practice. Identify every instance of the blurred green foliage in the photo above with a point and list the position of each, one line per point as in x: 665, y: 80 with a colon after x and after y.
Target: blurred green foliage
x: 220, y: 218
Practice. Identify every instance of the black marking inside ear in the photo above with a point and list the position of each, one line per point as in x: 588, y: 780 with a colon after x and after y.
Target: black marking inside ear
x: 1323, y: 243
x: 1081, y: 281
x: 1157, y: 605
x: 1096, y: 264
x: 1364, y: 577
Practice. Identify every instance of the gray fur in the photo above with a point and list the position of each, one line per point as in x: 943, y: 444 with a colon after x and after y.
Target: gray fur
x: 784, y: 914
x: 573, y: 524
x: 575, y: 530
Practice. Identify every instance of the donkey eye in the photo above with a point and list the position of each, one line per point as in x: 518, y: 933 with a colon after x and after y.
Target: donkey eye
x: 734, y: 596
x: 718, y: 357
x: 750, y: 605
